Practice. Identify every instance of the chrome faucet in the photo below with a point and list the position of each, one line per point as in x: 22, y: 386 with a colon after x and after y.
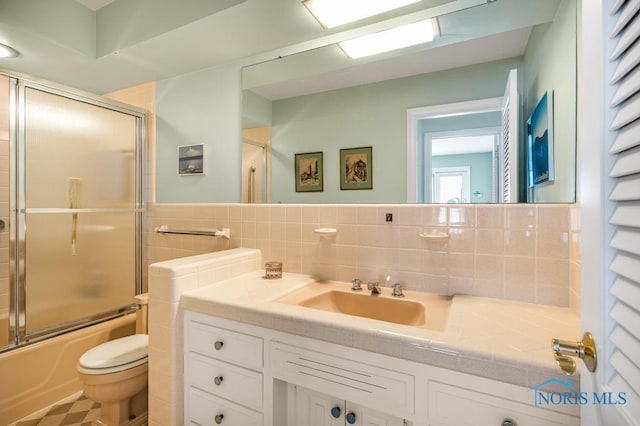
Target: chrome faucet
x: 356, y: 284
x: 397, y: 290
x: 374, y: 287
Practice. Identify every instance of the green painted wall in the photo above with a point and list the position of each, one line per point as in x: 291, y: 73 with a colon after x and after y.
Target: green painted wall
x: 550, y: 64
x: 202, y: 107
x: 369, y: 115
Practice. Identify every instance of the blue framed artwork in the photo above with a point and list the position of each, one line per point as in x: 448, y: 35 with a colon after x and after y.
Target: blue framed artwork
x: 540, y: 143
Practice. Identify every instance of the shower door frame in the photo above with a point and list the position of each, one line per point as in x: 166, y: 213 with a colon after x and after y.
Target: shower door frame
x: 18, y: 335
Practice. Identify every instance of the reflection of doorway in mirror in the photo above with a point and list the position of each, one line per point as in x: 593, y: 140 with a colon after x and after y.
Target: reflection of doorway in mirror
x: 256, y: 153
x: 475, y: 151
x: 451, y: 185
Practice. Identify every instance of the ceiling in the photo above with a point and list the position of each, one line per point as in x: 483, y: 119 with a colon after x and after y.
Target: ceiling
x: 104, y: 45
x: 95, y: 4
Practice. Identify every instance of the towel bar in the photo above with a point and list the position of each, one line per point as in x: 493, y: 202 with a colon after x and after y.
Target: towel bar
x: 224, y: 232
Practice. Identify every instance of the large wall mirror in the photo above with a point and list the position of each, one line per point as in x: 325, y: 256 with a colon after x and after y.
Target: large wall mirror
x: 409, y: 107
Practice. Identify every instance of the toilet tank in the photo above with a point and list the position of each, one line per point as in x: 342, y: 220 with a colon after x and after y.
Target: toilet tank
x: 142, y: 314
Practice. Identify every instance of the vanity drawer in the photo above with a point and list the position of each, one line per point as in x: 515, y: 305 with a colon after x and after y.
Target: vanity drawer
x: 483, y: 408
x: 203, y: 408
x: 235, y: 383
x: 371, y: 385
x: 236, y: 348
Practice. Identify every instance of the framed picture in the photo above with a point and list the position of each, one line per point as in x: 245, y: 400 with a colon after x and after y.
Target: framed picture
x: 309, y: 172
x: 191, y: 160
x: 540, y: 143
x: 356, y: 168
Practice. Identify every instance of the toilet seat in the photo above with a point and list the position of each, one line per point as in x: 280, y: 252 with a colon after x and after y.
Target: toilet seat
x: 115, y: 355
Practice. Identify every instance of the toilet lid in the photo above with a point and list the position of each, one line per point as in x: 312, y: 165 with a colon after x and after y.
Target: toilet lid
x: 116, y: 352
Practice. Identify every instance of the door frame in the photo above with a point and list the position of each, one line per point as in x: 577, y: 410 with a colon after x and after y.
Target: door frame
x: 414, y: 115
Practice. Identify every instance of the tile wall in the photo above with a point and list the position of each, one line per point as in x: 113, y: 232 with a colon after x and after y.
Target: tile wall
x: 575, y: 257
x: 170, y: 280
x: 527, y: 253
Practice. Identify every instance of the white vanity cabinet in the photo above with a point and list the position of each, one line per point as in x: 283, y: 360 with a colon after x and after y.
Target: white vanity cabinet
x: 312, y: 408
x: 223, y: 375
x: 241, y: 374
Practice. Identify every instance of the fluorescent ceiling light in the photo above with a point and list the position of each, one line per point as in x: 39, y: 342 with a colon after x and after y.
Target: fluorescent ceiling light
x: 384, y: 41
x: 7, y: 51
x: 331, y: 13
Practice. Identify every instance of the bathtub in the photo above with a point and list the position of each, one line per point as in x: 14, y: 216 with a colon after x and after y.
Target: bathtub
x: 36, y: 376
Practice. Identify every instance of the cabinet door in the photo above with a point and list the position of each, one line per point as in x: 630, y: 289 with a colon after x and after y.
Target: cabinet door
x: 317, y: 409
x: 369, y: 417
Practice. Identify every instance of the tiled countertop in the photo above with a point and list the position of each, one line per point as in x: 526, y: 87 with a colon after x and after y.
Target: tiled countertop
x: 499, y: 339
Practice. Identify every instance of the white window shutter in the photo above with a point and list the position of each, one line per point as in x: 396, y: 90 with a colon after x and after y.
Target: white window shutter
x: 625, y: 204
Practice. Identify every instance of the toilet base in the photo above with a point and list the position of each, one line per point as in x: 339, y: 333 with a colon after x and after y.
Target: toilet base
x: 140, y: 420
x: 122, y: 395
x: 128, y: 412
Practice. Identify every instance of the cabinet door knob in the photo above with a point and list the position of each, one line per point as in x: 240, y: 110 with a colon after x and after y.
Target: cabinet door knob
x: 218, y: 418
x: 335, y: 412
x: 218, y: 345
x: 218, y: 380
x: 509, y: 422
x: 351, y: 418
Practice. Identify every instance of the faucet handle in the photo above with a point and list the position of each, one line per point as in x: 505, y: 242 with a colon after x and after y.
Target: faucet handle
x: 397, y: 290
x: 356, y: 284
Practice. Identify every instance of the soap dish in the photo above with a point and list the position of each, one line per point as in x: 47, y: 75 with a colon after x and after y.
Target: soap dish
x: 440, y: 237
x: 326, y: 232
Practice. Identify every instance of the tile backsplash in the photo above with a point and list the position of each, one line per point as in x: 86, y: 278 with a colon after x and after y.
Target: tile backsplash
x: 518, y: 252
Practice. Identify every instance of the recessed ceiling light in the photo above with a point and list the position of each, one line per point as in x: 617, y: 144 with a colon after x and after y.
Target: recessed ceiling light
x: 385, y: 41
x: 331, y: 13
x: 7, y: 51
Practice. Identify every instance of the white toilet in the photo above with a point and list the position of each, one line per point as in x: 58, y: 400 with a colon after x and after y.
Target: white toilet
x: 115, y: 374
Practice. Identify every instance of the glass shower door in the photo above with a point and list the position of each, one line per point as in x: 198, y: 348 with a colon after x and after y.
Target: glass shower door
x: 5, y: 289
x: 79, y: 206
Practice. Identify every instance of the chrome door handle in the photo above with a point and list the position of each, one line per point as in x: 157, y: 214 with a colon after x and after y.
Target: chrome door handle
x: 565, y: 350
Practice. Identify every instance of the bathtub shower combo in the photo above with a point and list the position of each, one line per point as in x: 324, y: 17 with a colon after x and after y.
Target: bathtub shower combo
x: 71, y: 187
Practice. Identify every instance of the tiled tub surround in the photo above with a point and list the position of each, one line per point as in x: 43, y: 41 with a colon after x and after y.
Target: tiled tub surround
x: 516, y: 252
x: 503, y: 340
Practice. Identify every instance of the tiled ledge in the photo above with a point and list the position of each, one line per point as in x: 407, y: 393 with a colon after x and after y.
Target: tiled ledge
x: 498, y: 339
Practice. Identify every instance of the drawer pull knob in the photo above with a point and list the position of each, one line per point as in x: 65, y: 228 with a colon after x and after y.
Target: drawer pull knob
x: 335, y: 412
x: 351, y: 418
x: 218, y: 418
x: 508, y: 422
x: 218, y: 380
x: 218, y: 345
